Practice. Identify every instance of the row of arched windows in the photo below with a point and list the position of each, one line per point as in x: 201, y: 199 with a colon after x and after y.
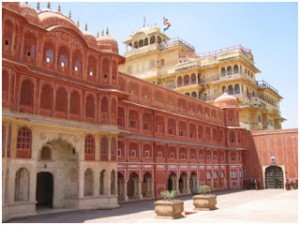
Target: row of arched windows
x: 63, y: 58
x: 187, y: 80
x: 90, y: 148
x: 232, y: 89
x: 158, y: 98
x: 146, y: 41
x: 64, y: 101
x: 172, y: 127
x: 232, y: 70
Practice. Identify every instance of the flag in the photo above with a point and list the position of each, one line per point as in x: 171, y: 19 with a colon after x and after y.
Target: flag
x: 166, y: 24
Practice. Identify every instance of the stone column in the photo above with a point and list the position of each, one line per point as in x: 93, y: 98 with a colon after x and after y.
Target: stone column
x: 187, y: 187
x: 149, y: 187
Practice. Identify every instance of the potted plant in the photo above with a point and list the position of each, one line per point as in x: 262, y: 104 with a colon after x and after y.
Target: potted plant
x: 204, y: 200
x: 168, y: 207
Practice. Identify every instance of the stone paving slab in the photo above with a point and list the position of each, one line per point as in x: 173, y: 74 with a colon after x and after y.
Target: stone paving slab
x: 251, y: 206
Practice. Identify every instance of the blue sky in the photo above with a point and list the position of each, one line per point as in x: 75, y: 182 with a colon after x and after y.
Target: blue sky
x: 269, y: 29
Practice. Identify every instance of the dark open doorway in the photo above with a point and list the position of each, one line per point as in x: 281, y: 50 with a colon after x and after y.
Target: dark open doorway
x: 44, y: 189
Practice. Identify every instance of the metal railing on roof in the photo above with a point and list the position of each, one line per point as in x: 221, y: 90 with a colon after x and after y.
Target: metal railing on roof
x: 263, y: 83
x: 224, y: 50
x: 175, y: 42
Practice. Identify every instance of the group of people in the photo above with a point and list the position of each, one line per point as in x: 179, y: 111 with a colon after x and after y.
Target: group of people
x: 291, y: 184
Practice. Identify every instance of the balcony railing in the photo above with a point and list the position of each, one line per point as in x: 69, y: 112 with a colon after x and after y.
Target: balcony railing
x: 175, y: 42
x: 263, y: 84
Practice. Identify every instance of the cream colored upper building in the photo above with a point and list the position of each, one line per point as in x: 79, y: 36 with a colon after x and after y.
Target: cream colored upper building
x: 173, y: 63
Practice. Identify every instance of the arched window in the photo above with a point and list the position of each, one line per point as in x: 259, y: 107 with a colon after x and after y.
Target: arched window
x: 179, y: 81
x: 30, y: 43
x: 105, y: 70
x: 208, y: 134
x: 235, y: 69
x: 152, y: 39
x: 46, y: 101
x: 22, y: 185
x: 63, y: 59
x: 27, y: 95
x: 89, y: 147
x: 141, y: 43
x: 194, y: 94
x: 187, y: 94
x: 147, y: 121
x: 133, y: 119
x: 7, y: 35
x: 113, y: 148
x: 104, y: 149
x: 236, y: 88
x: 104, y: 110
x: 231, y: 137
x: 77, y: 62
x: 61, y: 101
x: 114, y: 71
x: 88, y: 182
x: 90, y: 106
x: 75, y: 103
x: 186, y: 80
x: 121, y: 117
x: 171, y: 126
x: 223, y: 71
x: 160, y: 124
x: 92, y: 67
x: 229, y: 70
x: 193, y: 79
x: 200, y: 132
x: 136, y: 44
x: 114, y: 110
x: 5, y: 88
x: 24, y: 143
x: 146, y: 41
x: 48, y: 53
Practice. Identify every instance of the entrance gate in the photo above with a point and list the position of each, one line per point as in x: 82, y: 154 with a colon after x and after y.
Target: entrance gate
x: 274, y: 177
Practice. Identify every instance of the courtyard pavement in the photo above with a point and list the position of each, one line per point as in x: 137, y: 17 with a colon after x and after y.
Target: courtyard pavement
x: 247, y: 206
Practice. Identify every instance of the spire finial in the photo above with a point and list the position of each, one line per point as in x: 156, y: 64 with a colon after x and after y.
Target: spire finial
x: 48, y: 5
x: 58, y: 8
x: 38, y: 6
x: 107, y: 32
x: 70, y: 14
x: 102, y: 32
x: 86, y: 27
x: 78, y: 23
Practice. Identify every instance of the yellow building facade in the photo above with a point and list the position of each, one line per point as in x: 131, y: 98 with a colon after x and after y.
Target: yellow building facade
x: 174, y: 64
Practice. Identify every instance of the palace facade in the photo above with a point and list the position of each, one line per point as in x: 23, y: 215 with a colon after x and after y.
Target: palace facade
x: 174, y: 64
x: 78, y: 133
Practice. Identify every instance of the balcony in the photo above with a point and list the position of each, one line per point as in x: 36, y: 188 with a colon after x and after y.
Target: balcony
x: 188, y: 65
x: 176, y: 42
x: 142, y: 50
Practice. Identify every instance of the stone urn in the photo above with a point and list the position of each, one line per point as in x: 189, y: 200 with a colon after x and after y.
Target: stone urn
x: 169, y: 208
x: 205, y: 202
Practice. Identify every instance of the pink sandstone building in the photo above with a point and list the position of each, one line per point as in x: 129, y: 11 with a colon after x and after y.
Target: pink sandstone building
x: 77, y: 133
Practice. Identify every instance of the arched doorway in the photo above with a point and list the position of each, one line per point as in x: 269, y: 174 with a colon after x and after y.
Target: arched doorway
x: 147, y: 185
x: 44, y: 189
x: 172, y: 182
x: 274, y: 177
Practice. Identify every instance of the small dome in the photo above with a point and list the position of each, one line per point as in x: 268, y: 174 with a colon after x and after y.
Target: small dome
x: 226, y: 100
x: 29, y: 13
x: 108, y: 43
x: 89, y: 37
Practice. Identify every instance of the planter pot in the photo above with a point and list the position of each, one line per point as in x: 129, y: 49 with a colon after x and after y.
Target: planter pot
x: 169, y: 208
x: 205, y: 202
